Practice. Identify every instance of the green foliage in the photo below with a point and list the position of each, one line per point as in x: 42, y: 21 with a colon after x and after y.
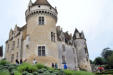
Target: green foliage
x: 91, y: 62
x: 99, y: 61
x: 110, y: 60
x: 3, y: 62
x: 50, y: 68
x: 71, y: 72
x: 83, y: 73
x: 106, y: 53
x: 106, y: 72
x: 4, y: 72
x: 26, y: 67
x: 24, y: 73
x: 38, y: 69
x: 35, y: 73
x: 40, y: 66
x: 17, y: 73
x: 11, y: 68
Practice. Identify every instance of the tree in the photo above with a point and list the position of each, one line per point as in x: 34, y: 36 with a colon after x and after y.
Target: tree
x: 99, y: 61
x: 106, y: 53
x: 91, y: 62
x: 110, y: 61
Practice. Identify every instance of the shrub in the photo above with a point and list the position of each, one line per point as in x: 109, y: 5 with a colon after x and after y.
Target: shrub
x: 35, y: 73
x: 106, y: 72
x: 17, y: 73
x: 40, y: 71
x: 25, y: 73
x: 3, y: 62
x: 72, y: 72
x: 50, y: 68
x: 11, y: 68
x: 83, y: 73
x: 4, y: 72
x: 61, y: 72
x: 26, y: 67
x: 69, y: 72
x: 46, y: 73
x: 40, y: 66
x: 29, y: 74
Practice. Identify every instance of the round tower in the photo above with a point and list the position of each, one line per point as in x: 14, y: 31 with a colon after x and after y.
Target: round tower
x: 41, y: 19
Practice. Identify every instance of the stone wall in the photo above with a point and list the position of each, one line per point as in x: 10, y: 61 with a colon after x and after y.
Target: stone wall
x: 82, y: 54
x: 70, y: 55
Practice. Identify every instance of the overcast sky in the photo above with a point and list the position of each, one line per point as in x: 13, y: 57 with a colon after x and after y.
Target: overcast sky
x: 94, y: 17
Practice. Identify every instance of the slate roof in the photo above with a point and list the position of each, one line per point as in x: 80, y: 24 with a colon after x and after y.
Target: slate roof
x: 42, y: 2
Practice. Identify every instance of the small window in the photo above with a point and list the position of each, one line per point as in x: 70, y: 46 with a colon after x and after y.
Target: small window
x: 41, y: 51
x: 41, y: 20
x: 52, y: 36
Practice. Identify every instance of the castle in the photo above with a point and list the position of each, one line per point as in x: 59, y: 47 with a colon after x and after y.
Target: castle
x: 42, y: 40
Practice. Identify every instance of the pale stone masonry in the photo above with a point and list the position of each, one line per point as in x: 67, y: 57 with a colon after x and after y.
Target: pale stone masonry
x: 42, y: 40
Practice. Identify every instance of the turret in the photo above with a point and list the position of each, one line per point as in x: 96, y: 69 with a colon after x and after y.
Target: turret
x: 30, y: 3
x: 82, y: 35
x: 40, y: 7
x: 82, y: 53
x: 76, y: 34
x: 41, y: 19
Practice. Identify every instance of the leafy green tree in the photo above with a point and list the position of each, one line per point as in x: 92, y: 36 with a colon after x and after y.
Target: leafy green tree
x: 91, y: 62
x: 106, y: 53
x: 110, y: 61
x: 99, y: 61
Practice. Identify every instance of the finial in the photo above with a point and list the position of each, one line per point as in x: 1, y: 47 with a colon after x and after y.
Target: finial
x: 30, y: 3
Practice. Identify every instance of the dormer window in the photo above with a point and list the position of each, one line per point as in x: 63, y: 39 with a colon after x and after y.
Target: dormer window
x: 41, y: 20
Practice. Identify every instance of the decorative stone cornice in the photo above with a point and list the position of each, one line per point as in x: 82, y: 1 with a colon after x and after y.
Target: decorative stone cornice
x: 41, y: 11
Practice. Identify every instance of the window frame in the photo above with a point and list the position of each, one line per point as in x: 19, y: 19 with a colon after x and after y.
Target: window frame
x: 41, y: 51
x: 53, y: 36
x: 41, y: 20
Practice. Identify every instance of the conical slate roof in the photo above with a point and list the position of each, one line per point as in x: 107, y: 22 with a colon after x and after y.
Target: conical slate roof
x: 42, y: 2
